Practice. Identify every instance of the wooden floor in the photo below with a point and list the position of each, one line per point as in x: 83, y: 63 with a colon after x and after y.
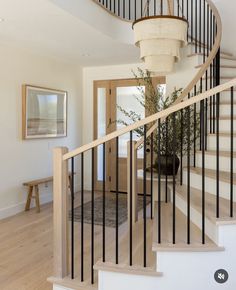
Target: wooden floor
x: 26, y: 254
x: 26, y: 250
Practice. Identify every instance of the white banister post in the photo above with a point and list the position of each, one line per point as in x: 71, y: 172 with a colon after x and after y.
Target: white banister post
x: 60, y: 213
x: 134, y: 181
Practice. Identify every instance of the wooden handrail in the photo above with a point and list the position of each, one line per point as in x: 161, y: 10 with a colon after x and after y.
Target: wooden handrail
x: 152, y: 118
x: 202, y: 70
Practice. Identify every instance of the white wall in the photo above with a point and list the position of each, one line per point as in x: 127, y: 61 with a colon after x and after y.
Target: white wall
x: 23, y: 160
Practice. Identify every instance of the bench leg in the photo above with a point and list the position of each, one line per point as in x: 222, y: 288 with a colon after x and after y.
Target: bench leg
x: 36, y: 192
x: 29, y: 197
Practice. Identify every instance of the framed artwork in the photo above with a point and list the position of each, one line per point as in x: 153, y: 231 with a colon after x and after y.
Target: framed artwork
x: 44, y: 112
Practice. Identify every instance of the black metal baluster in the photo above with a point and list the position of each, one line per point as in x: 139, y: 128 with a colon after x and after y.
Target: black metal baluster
x: 181, y: 148
x: 131, y: 202
x: 129, y: 11
x: 119, y: 8
x: 141, y: 8
x: 196, y: 25
x: 104, y: 204
x: 191, y: 21
x: 135, y: 9
x: 200, y: 145
x: 232, y: 154
x: 117, y: 200
x: 200, y: 26
x: 144, y: 197
x: 203, y: 171
x: 152, y: 175
x: 178, y: 7
x: 82, y: 218
x: 166, y: 151
x: 159, y: 181
x: 188, y: 177
x: 92, y: 219
x: 204, y: 31
x: 217, y: 137
x: 206, y: 126
x: 187, y: 13
x: 72, y: 188
x: 123, y: 8
x: 194, y: 128
x: 161, y: 7
x: 174, y: 146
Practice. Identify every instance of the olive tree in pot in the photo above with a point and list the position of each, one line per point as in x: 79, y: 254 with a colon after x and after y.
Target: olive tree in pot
x: 154, y: 100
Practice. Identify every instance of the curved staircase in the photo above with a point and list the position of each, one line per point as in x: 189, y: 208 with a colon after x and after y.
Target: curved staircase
x: 176, y: 244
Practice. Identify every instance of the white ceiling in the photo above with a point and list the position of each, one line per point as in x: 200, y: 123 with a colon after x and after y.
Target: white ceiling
x: 42, y: 27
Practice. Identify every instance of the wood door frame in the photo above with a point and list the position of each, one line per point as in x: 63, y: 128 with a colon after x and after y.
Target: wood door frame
x: 100, y: 84
x: 110, y: 86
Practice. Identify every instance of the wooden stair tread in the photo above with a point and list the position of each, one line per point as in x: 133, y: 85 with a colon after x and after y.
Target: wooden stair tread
x: 75, y: 284
x: 137, y: 235
x: 181, y: 233
x: 223, y: 134
x: 210, y: 204
x: 222, y: 77
x: 222, y: 66
x: 126, y: 269
x: 193, y: 42
x: 227, y: 103
x: 224, y: 118
x: 223, y: 56
x: 211, y: 173
x: 221, y: 153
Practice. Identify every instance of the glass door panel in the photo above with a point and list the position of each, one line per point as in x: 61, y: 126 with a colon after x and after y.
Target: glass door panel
x: 127, y: 99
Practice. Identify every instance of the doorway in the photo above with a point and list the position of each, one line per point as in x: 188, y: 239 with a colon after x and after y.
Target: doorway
x: 109, y: 96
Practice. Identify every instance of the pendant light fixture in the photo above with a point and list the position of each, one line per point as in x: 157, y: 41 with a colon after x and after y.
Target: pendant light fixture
x: 160, y: 38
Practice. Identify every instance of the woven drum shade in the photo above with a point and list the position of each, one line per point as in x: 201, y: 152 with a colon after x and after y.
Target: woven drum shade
x: 160, y: 39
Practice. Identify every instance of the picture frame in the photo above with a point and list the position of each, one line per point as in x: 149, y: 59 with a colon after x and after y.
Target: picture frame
x: 44, y: 112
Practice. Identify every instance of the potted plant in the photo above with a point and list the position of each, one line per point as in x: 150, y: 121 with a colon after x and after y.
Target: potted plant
x: 154, y: 100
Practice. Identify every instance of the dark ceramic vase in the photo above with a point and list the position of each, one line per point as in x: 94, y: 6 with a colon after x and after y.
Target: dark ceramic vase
x: 167, y: 165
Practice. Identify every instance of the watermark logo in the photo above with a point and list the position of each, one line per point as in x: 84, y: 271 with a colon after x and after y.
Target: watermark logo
x: 221, y: 276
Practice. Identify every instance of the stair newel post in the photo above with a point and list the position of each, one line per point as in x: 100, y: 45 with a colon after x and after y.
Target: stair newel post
x: 60, y: 213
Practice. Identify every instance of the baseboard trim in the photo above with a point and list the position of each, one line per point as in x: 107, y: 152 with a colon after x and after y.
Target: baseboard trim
x: 20, y: 207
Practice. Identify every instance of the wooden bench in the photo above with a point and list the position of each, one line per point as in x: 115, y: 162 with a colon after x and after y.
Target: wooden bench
x: 33, y: 188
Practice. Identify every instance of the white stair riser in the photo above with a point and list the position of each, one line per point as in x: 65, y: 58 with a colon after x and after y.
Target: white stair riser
x: 224, y: 125
x: 228, y: 72
x: 195, y: 270
x: 225, y: 110
x: 121, y: 281
x: 210, y: 228
x: 210, y: 162
x: 210, y: 184
x: 224, y: 143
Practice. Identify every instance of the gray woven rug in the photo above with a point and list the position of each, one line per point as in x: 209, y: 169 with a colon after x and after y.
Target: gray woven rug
x: 110, y: 210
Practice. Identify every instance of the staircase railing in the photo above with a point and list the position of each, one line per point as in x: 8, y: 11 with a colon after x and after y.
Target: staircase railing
x: 64, y: 246
x: 203, y: 101
x: 206, y: 31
